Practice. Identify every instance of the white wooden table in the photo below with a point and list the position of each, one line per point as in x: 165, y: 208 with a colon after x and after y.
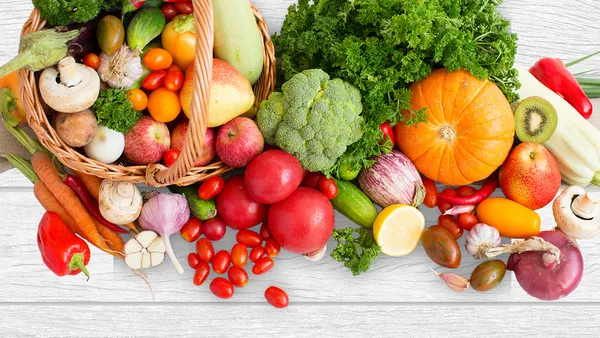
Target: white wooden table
x: 325, y: 297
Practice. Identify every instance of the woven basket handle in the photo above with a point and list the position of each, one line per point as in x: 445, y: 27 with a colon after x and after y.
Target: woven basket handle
x: 158, y: 175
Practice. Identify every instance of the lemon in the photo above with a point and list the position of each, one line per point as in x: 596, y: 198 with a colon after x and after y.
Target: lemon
x: 397, y: 229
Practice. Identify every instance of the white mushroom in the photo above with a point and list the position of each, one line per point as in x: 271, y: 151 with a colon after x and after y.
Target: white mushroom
x: 78, y: 89
x: 577, y: 213
x: 145, y: 250
x: 120, y: 202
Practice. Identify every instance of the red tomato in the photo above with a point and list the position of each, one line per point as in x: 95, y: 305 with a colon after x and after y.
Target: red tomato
x: 157, y: 59
x: 443, y: 205
x: 205, y: 250
x: 265, y: 233
x: 451, y: 224
x: 173, y: 67
x: 467, y: 221
x: 154, y: 80
x: 312, y: 180
x: 277, y: 297
x: 214, y: 229
x: 211, y: 187
x: 249, y: 238
x: 221, y: 288
x: 465, y: 190
x: 431, y: 198
x: 184, y: 7
x: 174, y: 80
x: 272, y: 248
x: 169, y: 11
x: 237, y: 208
x: 192, y: 230
x: 237, y: 276
x: 388, y: 132
x: 307, y: 212
x: 221, y: 262
x: 239, y: 255
x: 263, y: 265
x: 256, y: 253
x: 193, y: 260
x: 328, y: 187
x: 272, y: 176
x: 171, y: 156
x: 201, y: 273
x: 92, y: 60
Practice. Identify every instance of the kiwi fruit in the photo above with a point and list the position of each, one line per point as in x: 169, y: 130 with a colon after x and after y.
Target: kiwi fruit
x: 535, y: 120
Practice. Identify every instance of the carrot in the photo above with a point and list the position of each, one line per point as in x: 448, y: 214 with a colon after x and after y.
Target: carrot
x: 50, y: 203
x: 114, y: 240
x: 43, y: 166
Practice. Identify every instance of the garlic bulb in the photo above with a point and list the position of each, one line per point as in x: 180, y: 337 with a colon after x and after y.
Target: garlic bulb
x: 145, y: 250
x: 122, y: 69
x: 120, y: 202
x: 481, y: 239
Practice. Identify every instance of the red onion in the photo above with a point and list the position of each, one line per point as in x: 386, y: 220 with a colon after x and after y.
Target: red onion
x: 544, y: 276
x: 393, y: 179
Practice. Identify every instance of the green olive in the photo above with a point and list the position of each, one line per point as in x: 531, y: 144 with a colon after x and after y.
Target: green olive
x: 110, y: 34
x: 487, y: 275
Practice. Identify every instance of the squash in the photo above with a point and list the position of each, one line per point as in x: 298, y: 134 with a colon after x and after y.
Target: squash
x: 511, y: 219
x: 469, y: 132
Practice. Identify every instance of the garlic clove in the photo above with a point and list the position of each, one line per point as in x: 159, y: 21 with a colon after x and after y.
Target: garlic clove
x: 132, y: 246
x: 158, y: 245
x: 134, y: 260
x: 317, y: 255
x: 146, y: 238
x: 157, y: 258
x: 146, y: 259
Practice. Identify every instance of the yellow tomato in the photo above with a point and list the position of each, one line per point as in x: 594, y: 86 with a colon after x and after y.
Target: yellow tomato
x: 179, y: 39
x: 138, y: 99
x: 510, y: 218
x: 164, y: 105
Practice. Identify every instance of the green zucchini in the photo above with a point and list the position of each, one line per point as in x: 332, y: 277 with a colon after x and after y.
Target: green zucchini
x: 354, y: 204
x: 200, y: 208
x: 146, y: 25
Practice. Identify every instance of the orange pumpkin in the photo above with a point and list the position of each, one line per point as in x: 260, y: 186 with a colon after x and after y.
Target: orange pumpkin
x: 470, y: 128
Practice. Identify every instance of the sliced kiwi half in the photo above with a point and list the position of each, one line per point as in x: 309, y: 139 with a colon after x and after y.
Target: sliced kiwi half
x: 535, y: 120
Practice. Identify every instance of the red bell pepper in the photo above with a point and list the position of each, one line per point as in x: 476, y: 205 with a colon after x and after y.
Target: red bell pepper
x: 553, y: 73
x: 62, y: 251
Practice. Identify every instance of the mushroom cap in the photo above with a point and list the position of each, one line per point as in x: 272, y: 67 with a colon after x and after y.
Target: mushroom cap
x: 73, y: 99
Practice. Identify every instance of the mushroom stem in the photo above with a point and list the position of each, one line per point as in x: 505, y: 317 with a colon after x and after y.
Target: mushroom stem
x: 584, y: 206
x: 68, y: 72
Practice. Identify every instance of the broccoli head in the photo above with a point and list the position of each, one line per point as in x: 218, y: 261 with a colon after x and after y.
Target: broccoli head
x: 64, y: 12
x: 313, y: 118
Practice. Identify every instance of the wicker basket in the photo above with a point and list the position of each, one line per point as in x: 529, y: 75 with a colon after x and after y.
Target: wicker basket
x: 181, y: 172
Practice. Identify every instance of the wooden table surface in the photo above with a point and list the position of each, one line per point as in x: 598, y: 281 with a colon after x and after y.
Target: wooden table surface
x: 324, y: 296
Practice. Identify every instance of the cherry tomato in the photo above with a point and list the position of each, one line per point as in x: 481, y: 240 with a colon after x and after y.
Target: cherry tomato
x: 312, y: 180
x: 431, y: 198
x: 163, y: 104
x: 173, y: 67
x: 263, y: 265
x: 237, y: 276
x: 192, y: 229
x: 467, y: 221
x: 272, y: 248
x: 277, y: 297
x: 328, y: 187
x: 201, y: 273
x: 249, y: 238
x: 221, y: 288
x: 211, y: 187
x: 221, y: 262
x: 184, y: 7
x: 154, y: 80
x: 465, y: 190
x: 170, y: 157
x: 138, y: 99
x: 265, y: 232
x: 92, y: 60
x: 239, y: 255
x: 169, y: 11
x: 214, y: 229
x: 158, y: 59
x: 451, y: 224
x: 388, y: 133
x: 193, y: 260
x: 256, y: 253
x: 443, y: 205
x: 205, y: 250
x: 174, y: 80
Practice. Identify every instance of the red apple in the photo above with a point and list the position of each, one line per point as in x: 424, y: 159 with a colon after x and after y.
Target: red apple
x: 208, y: 151
x: 530, y: 176
x: 147, y: 141
x: 239, y: 141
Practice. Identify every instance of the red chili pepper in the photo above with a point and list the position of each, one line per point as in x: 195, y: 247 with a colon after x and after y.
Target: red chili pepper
x: 62, y: 251
x: 388, y: 132
x: 89, y: 202
x: 486, y: 190
x: 553, y: 73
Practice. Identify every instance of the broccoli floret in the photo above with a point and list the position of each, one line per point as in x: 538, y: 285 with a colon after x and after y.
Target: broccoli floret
x: 314, y: 118
x: 64, y: 12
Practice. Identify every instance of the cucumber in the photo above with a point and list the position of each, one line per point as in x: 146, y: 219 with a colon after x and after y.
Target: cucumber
x: 146, y: 25
x: 354, y: 204
x: 200, y: 208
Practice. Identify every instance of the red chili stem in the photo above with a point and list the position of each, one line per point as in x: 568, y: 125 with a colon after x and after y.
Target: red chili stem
x: 89, y: 202
x: 486, y: 190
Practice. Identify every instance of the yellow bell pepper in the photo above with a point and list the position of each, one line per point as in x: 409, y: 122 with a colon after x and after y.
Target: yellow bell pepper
x: 179, y: 39
x: 9, y: 99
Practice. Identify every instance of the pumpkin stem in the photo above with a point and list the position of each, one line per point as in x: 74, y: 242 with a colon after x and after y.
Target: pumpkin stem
x: 447, y: 133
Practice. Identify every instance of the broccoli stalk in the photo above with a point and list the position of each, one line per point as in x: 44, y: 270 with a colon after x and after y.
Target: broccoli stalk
x: 40, y: 50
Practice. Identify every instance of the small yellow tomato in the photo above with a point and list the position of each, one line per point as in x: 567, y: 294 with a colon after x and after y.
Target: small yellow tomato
x: 138, y: 99
x: 164, y: 105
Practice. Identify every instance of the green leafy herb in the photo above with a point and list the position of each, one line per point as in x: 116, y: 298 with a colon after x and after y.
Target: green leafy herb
x: 113, y: 109
x: 355, y: 253
x: 382, y: 46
